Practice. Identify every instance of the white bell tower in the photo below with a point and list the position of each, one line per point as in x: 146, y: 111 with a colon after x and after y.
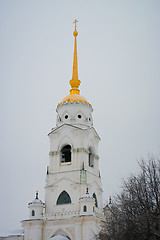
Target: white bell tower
x: 74, y: 160
x: 71, y: 210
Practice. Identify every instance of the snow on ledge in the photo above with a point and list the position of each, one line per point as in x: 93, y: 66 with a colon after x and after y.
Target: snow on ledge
x: 12, y: 232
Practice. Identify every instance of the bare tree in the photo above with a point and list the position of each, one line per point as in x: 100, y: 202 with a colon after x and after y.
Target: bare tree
x: 135, y: 212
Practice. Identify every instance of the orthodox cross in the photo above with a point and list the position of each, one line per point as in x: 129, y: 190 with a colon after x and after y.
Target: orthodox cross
x: 75, y: 22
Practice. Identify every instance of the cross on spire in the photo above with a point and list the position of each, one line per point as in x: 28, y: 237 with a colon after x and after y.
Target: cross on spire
x: 75, y: 22
x: 75, y: 82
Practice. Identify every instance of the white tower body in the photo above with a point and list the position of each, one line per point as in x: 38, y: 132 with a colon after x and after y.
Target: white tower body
x: 36, y: 208
x: 70, y: 211
x: 70, y: 176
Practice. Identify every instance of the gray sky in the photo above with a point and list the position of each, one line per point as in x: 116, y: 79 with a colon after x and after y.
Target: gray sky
x: 118, y: 58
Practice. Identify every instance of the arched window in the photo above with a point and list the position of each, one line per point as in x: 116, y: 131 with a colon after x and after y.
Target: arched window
x: 66, y: 154
x: 90, y: 158
x: 33, y: 213
x: 64, y: 198
x: 96, y: 203
x: 59, y: 236
x: 84, y: 208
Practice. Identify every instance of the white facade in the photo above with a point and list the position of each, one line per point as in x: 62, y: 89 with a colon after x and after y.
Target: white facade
x: 80, y: 218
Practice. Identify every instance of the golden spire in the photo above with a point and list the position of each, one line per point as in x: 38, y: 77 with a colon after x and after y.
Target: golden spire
x: 75, y: 82
x: 74, y: 95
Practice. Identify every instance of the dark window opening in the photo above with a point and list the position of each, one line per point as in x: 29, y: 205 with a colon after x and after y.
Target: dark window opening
x: 89, y: 119
x: 66, y: 116
x: 64, y: 198
x: 79, y: 116
x: 96, y: 203
x: 66, y: 154
x: 84, y: 208
x: 90, y: 158
x: 33, y: 213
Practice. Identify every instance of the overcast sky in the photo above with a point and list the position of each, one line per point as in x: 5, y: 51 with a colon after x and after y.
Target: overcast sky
x: 119, y: 69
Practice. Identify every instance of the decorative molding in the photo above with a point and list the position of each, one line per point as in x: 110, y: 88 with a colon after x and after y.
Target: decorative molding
x: 51, y: 153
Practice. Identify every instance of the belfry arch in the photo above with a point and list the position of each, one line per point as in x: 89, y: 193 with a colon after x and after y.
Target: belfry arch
x: 66, y: 154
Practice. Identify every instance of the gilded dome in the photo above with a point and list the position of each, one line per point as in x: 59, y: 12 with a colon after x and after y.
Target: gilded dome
x: 74, y: 98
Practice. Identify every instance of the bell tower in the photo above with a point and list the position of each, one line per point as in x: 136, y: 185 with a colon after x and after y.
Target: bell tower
x: 72, y: 210
x: 73, y: 156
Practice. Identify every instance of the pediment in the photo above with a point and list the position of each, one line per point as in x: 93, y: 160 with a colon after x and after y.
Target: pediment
x: 65, y: 125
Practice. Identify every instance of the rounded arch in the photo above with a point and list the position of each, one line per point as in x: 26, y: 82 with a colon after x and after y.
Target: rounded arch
x: 66, y: 154
x: 95, y: 197
x: 90, y: 157
x: 33, y: 213
x: 84, y: 208
x: 63, y: 198
x: 65, y: 140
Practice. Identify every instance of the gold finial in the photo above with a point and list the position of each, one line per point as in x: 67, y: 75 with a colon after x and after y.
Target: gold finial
x: 75, y: 82
x: 87, y: 189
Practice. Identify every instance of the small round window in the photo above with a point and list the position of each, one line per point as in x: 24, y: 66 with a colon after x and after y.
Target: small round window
x: 79, y: 116
x: 66, y: 116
